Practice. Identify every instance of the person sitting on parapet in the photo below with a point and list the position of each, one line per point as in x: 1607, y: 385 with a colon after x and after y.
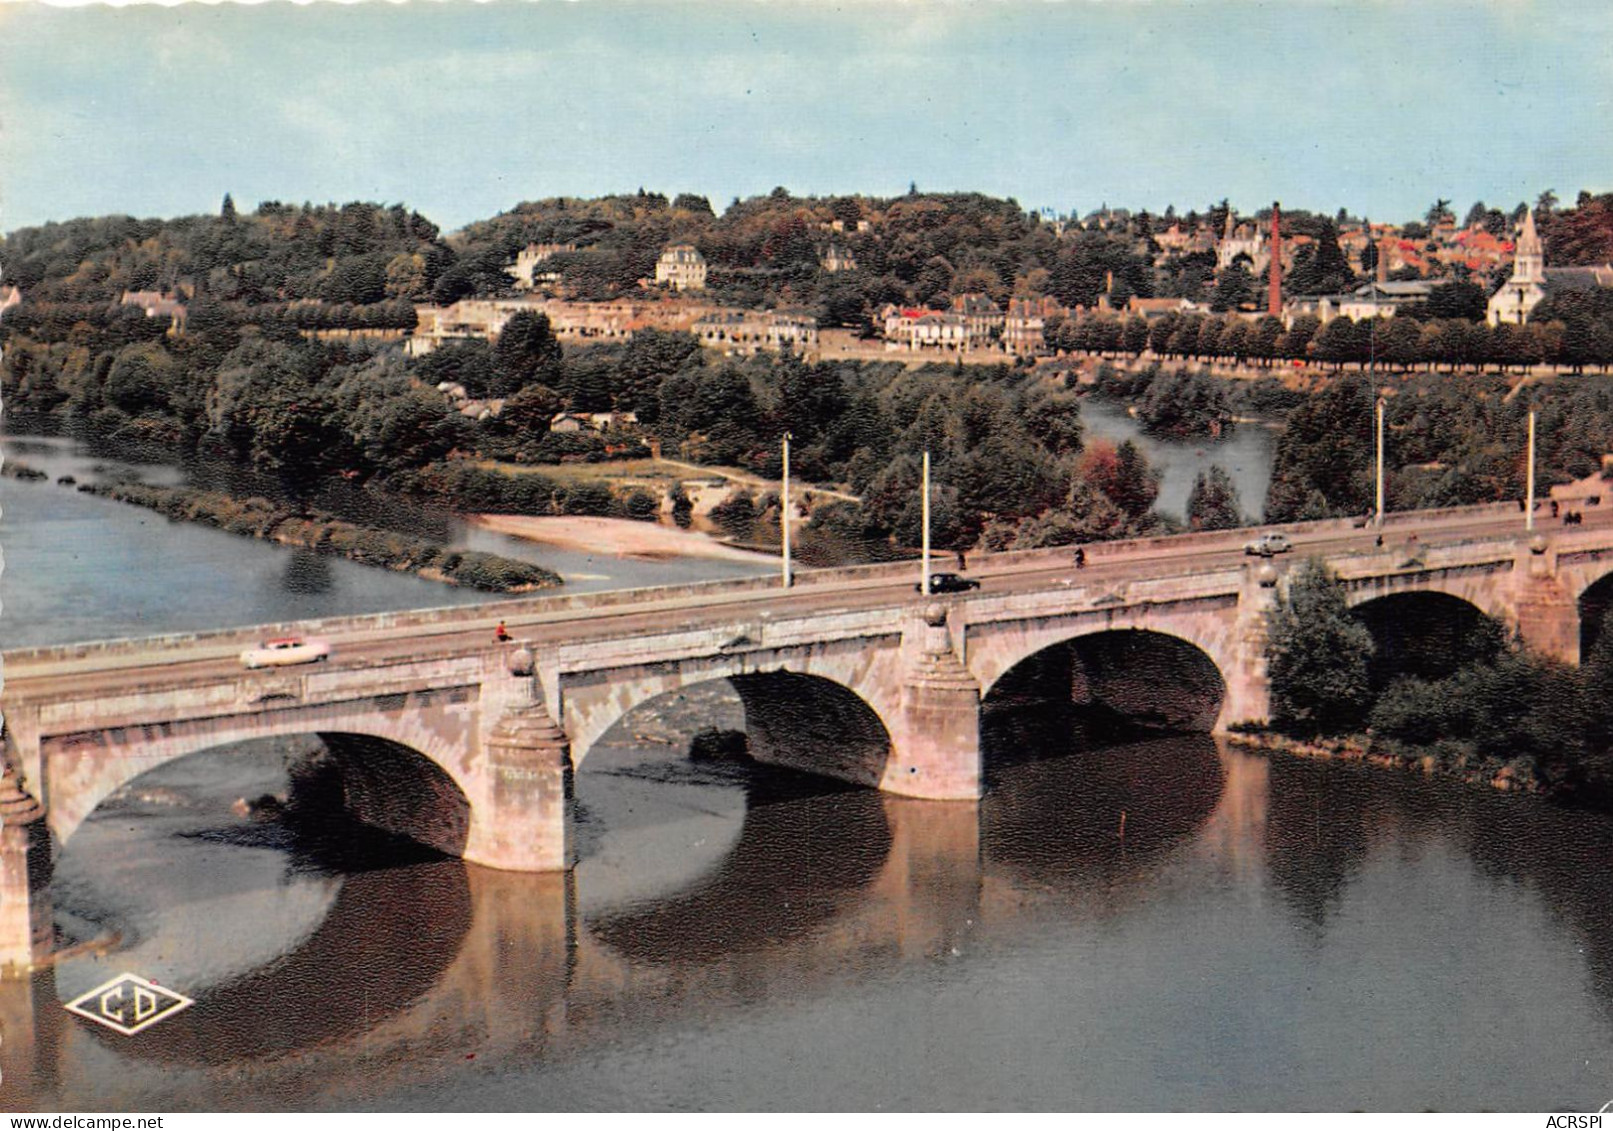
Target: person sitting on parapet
x: 501, y: 634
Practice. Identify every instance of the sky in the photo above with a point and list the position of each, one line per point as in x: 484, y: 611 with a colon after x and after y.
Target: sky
x: 463, y: 110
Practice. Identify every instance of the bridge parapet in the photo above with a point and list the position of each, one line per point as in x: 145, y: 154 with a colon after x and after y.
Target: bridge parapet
x: 734, y: 637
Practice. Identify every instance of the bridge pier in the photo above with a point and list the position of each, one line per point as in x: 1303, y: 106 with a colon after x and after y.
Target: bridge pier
x: 935, y: 734
x: 519, y: 824
x: 1548, y: 617
x: 1248, y: 686
x: 25, y: 918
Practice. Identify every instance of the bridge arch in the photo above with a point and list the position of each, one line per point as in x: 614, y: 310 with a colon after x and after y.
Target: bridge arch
x: 805, y: 715
x: 1487, y: 591
x: 1112, y: 682
x: 403, y: 766
x: 1426, y: 634
x: 1594, y: 603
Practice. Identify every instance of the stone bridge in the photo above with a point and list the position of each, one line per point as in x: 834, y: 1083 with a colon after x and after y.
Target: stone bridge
x: 441, y: 735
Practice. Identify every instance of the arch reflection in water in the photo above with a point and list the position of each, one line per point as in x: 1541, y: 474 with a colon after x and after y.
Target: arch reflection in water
x: 384, y: 945
x: 289, y: 933
x: 692, y: 850
x: 1085, y: 819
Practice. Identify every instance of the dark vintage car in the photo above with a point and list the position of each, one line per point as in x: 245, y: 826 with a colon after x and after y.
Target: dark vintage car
x: 949, y: 583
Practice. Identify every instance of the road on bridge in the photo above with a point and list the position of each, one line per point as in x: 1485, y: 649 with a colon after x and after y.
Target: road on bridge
x: 471, y: 629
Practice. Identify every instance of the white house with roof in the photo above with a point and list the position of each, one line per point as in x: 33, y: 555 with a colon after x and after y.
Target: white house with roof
x: 682, y: 268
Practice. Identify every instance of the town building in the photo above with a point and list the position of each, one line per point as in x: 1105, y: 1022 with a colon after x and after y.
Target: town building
x: 156, y: 304
x: 682, y: 268
x: 1242, y: 239
x: 525, y: 272
x: 745, y: 332
x: 1526, y: 287
x: 1025, y: 324
x: 836, y: 259
x: 1532, y: 280
x: 982, y: 319
x: 911, y: 328
x: 1371, y: 300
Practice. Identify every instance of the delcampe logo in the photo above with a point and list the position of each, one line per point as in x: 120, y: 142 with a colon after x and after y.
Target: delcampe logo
x: 129, y: 1004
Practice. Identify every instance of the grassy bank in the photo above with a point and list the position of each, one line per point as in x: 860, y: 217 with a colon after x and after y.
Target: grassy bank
x: 325, y: 534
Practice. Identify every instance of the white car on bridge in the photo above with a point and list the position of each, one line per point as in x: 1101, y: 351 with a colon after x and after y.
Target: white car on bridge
x: 286, y: 650
x: 1268, y: 544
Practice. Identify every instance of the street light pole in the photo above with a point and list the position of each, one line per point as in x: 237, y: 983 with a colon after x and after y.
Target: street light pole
x: 1529, y: 505
x: 784, y: 512
x: 1378, y: 521
x: 924, y: 508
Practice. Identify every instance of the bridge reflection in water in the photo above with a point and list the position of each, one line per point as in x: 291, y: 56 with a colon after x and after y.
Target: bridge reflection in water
x: 811, y: 882
x: 438, y: 983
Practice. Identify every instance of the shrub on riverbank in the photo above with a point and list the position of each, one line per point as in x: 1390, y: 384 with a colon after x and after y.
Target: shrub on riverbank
x: 326, y: 534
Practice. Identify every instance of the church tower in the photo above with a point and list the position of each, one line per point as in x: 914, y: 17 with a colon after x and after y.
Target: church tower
x: 1529, y: 262
x: 1527, y: 287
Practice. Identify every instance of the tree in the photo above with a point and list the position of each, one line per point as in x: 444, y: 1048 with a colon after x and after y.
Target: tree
x: 1369, y: 257
x: 1459, y: 299
x: 1234, y: 288
x: 1321, y: 267
x: 1325, y: 453
x: 692, y: 202
x: 1123, y: 475
x: 1317, y: 655
x: 1212, y: 504
x: 527, y: 352
x: 1438, y: 211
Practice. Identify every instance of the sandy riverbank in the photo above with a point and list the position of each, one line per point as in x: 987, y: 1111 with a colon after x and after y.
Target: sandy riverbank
x: 619, y: 537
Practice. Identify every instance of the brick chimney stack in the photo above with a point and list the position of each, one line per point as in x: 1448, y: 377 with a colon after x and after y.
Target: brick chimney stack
x: 1274, y: 300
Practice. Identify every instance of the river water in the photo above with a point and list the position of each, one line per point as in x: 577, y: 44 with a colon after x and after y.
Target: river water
x: 1165, y: 925
x: 1246, y: 454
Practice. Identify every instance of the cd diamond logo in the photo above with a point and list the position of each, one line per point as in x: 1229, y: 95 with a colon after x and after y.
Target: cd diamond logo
x: 128, y: 1004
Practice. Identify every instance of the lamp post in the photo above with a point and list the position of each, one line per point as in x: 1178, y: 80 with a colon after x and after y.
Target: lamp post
x: 784, y: 512
x: 924, y: 510
x: 1378, y: 520
x: 1529, y: 504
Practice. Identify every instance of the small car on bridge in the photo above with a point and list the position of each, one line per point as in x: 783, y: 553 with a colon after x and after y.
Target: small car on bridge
x: 1268, y: 544
x: 949, y: 583
x: 286, y: 650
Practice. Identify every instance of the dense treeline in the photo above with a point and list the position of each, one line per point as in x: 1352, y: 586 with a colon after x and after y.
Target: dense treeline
x: 1573, y: 329
x: 356, y: 254
x: 1448, y: 443
x: 244, y: 379
x: 1009, y: 461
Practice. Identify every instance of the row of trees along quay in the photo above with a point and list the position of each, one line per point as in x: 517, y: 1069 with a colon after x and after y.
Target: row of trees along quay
x: 1443, y: 689
x: 1571, y: 331
x: 246, y: 378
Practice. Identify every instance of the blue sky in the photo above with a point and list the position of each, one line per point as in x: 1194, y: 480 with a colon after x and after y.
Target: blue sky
x: 462, y: 110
